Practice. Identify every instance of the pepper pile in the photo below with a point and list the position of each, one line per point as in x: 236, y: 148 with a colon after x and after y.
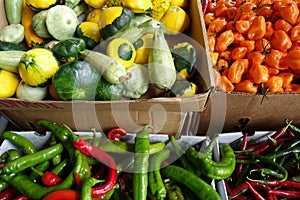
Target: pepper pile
x: 268, y: 169
x: 71, y: 166
x: 254, y: 45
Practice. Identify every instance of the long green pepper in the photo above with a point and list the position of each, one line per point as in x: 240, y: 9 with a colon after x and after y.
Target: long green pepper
x: 140, y: 175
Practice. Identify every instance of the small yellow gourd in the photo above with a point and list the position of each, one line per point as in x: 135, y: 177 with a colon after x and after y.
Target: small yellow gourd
x: 122, y: 50
x: 94, y: 15
x: 176, y: 20
x: 138, y: 6
x: 160, y: 7
x: 40, y: 4
x: 8, y: 83
x: 95, y: 3
x: 143, y: 46
x: 110, y: 3
x: 89, y: 32
x: 181, y: 3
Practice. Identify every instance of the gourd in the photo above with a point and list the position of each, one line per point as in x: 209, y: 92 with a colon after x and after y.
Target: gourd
x: 142, y: 46
x: 39, y: 24
x: 111, y: 70
x: 25, y: 91
x: 161, y: 68
x: 68, y: 49
x: 109, y: 92
x: 110, y: 3
x: 89, y: 32
x: 122, y: 50
x: 95, y: 3
x: 9, y: 60
x: 12, y: 33
x: 37, y: 66
x: 76, y: 80
x: 10, y: 46
x: 176, y: 20
x: 138, y: 6
x: 13, y: 11
x: 183, y: 88
x: 94, y: 15
x: 113, y: 20
x: 138, y: 82
x: 41, y: 4
x: 160, y: 7
x: 184, y: 55
x: 61, y: 22
x: 8, y: 83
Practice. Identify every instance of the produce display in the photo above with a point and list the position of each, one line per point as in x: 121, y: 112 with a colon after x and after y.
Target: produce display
x: 73, y: 166
x: 128, y: 44
x: 254, y: 45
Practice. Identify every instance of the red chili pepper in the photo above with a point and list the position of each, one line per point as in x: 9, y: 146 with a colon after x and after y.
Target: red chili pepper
x: 21, y: 197
x: 238, y: 190
x: 2, y: 165
x: 78, y: 180
x: 255, y: 192
x: 293, y: 194
x: 278, y: 183
x: 8, y: 193
x: 63, y: 194
x: 239, y: 166
x: 115, y: 132
x: 101, y: 172
x: 49, y: 179
x: 90, y: 150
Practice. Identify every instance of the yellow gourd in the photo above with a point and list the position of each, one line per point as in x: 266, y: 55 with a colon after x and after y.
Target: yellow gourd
x: 160, y: 7
x: 95, y: 3
x: 122, y: 50
x: 89, y: 32
x: 180, y: 3
x: 94, y: 15
x: 8, y: 83
x: 143, y: 46
x: 176, y: 20
x: 40, y: 4
x: 110, y: 3
x: 138, y: 6
x: 31, y: 38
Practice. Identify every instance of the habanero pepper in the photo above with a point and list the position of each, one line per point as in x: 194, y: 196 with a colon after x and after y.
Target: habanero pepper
x: 292, y: 60
x: 295, y: 33
x: 262, y: 45
x: 255, y: 58
x: 273, y: 58
x: 290, y: 12
x: 198, y: 186
x: 274, y: 84
x: 242, y: 26
x: 226, y: 84
x: 287, y: 78
x: 222, y: 64
x: 281, y: 24
x: 257, y: 29
x: 216, y: 170
x: 224, y: 40
x: 250, y: 44
x: 245, y: 11
x: 90, y: 150
x: 259, y: 73
x: 238, y: 53
x: 293, y: 87
x: 281, y: 41
x: 237, y: 69
x: 217, y: 26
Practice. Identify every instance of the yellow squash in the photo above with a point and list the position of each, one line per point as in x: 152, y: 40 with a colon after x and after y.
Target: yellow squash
x: 95, y: 3
x: 41, y: 4
x: 8, y: 83
x: 94, y: 15
x: 89, y: 32
x: 176, y: 20
x: 160, y: 7
x: 143, y: 46
x: 138, y: 6
x: 37, y: 66
x: 110, y: 3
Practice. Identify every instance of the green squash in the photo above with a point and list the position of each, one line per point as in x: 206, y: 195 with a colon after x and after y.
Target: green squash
x: 68, y: 49
x: 76, y: 80
x: 184, y: 55
x: 107, y: 91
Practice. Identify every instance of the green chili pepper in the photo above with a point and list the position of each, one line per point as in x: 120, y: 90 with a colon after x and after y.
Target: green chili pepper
x: 86, y: 190
x: 13, y: 154
x: 140, y: 176
x: 114, y: 146
x: 56, y: 159
x: 3, y: 185
x: 118, y: 194
x: 38, y: 171
x: 58, y: 169
x: 26, y: 146
x: 35, y: 191
x: 215, y: 170
x: 268, y: 172
x: 173, y: 191
x: 27, y: 161
x: 199, y: 187
x: 156, y: 183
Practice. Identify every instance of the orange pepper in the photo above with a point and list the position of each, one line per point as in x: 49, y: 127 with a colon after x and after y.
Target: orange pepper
x: 216, y: 26
x: 287, y: 78
x: 250, y: 44
x: 211, y: 40
x: 221, y: 10
x: 214, y: 57
x: 231, y: 12
x: 294, y: 87
x: 237, y: 69
x: 231, y: 26
x: 238, y: 37
x: 273, y: 58
x: 224, y: 40
x: 262, y: 45
x: 226, y: 55
x: 245, y: 11
x: 269, y: 30
x: 265, y: 11
x: 247, y: 86
x: 222, y: 65
x: 259, y: 73
x: 238, y: 52
x: 242, y: 26
x: 209, y: 18
x: 226, y: 84
x: 290, y: 12
x: 273, y: 71
x: 257, y: 29
x: 255, y: 58
x: 295, y: 33
x: 282, y: 24
x: 280, y: 40
x: 295, y: 45
x: 278, y: 4
x: 274, y: 84
x: 292, y: 59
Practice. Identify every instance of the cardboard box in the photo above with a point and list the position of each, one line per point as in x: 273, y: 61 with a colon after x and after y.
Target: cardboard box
x: 168, y: 115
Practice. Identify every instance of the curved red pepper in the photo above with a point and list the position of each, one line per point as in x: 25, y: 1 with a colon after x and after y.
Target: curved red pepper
x: 63, y: 194
x: 90, y: 150
x: 115, y: 132
x: 50, y: 179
